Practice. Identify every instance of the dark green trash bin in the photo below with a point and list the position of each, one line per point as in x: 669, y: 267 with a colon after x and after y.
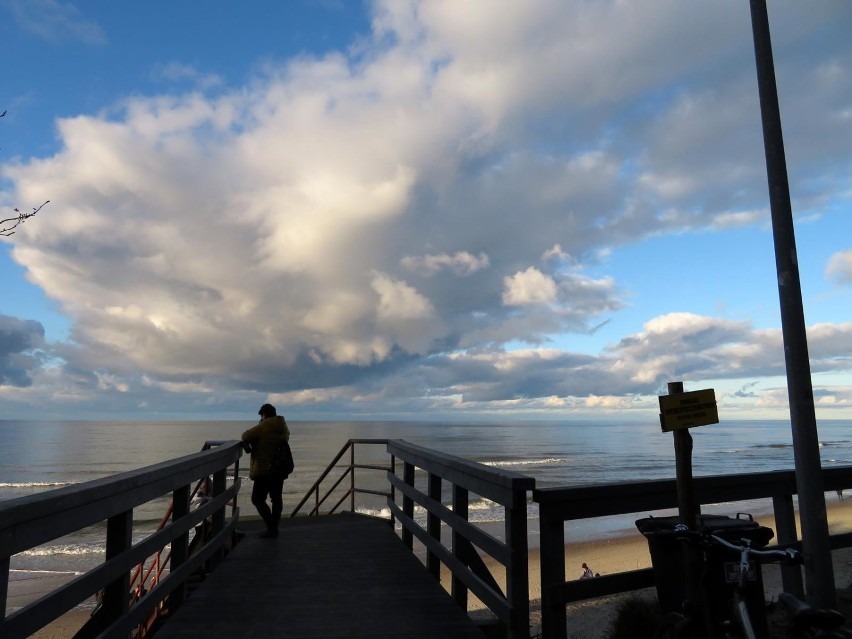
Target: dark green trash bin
x: 722, y: 564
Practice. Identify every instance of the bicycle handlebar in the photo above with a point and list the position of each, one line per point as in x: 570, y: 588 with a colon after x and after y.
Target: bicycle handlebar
x: 782, y: 554
x: 789, y: 554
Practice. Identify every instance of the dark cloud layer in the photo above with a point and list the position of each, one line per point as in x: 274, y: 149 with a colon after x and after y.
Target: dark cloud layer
x: 19, y: 339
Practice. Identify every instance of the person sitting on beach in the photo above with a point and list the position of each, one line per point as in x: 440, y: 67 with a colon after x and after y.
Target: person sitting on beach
x: 262, y: 442
x: 587, y: 572
x: 205, y: 492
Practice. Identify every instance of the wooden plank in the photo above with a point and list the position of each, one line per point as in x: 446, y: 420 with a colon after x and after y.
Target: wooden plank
x: 496, y: 484
x: 581, y: 502
x: 462, y: 576
x: 30, y: 521
x: 487, y: 542
x: 44, y: 610
x: 330, y: 576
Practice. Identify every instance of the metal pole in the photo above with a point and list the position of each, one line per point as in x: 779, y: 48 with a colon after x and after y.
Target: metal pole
x: 688, y: 508
x: 819, y: 573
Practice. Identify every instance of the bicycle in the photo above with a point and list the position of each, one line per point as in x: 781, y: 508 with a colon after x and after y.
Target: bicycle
x: 696, y: 620
x: 813, y: 623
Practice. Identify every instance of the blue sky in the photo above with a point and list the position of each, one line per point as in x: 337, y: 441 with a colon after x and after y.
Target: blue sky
x: 415, y: 210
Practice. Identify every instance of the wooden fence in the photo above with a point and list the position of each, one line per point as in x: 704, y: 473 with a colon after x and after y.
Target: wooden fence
x: 28, y: 522
x: 31, y: 521
x: 560, y: 505
x: 469, y: 572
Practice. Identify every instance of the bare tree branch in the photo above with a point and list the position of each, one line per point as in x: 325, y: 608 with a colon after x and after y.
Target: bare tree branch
x: 8, y: 226
x: 20, y: 218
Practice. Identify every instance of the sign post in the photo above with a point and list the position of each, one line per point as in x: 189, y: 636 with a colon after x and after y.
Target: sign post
x: 679, y: 412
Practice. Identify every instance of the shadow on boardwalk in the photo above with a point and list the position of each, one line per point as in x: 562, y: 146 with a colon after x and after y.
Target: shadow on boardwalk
x: 332, y: 576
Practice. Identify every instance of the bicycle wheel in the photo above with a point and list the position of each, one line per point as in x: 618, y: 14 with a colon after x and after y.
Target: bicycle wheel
x: 673, y: 626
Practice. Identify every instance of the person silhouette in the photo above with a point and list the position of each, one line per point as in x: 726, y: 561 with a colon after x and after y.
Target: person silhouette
x: 262, y: 442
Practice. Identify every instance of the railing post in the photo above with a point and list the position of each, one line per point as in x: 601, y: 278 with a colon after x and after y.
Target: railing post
x: 217, y: 520
x: 352, y: 477
x: 517, y: 571
x: 460, y: 508
x: 552, y: 558
x: 408, y: 504
x: 785, y: 524
x: 180, y: 545
x: 433, y: 527
x: 4, y: 586
x: 393, y: 490
x: 119, y: 538
x: 234, y: 505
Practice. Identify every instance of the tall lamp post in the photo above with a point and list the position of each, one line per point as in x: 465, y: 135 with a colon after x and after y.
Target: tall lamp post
x: 819, y: 572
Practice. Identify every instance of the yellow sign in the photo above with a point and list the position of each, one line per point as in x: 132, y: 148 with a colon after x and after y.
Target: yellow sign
x: 685, y: 410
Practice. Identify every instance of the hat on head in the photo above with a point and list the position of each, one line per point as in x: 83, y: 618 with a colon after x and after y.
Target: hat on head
x: 267, y: 410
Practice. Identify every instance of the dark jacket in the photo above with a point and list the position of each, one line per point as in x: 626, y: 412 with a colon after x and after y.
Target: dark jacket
x: 264, y: 439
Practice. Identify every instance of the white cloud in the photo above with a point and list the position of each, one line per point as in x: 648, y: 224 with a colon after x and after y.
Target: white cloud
x: 293, y: 234
x: 461, y: 263
x: 840, y: 267
x: 55, y: 21
x: 398, y: 300
x: 406, y: 315
x: 555, y: 252
x: 180, y: 72
x: 528, y: 287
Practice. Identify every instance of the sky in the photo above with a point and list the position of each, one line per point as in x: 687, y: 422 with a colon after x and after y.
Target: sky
x: 440, y: 210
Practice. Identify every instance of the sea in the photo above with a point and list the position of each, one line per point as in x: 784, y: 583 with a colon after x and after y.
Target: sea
x: 39, y: 456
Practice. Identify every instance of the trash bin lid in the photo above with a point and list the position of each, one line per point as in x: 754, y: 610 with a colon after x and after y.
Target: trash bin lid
x: 652, y: 525
x: 729, y: 528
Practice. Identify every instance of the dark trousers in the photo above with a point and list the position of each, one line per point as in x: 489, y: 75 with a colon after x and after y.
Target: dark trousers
x: 268, y: 486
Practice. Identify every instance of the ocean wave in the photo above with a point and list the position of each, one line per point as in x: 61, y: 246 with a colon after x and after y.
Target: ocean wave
x: 65, y: 549
x: 479, y: 510
x: 526, y: 462
x: 483, y: 504
x: 23, y: 571
x: 35, y: 484
x: 385, y: 513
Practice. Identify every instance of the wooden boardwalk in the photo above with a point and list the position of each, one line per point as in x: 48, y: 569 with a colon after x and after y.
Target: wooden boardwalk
x: 332, y: 576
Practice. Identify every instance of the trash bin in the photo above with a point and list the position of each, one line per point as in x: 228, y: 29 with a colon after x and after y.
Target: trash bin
x: 722, y: 564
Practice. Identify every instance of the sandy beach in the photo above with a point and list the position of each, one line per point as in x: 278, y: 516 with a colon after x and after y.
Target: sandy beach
x: 591, y: 619
x: 587, y: 619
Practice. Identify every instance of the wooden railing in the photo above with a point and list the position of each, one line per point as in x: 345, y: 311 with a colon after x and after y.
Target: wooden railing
x: 322, y: 492
x: 28, y: 522
x: 469, y: 572
x: 558, y: 505
x: 462, y: 477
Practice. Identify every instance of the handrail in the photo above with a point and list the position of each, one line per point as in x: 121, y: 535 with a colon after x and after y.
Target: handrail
x: 469, y: 572
x: 148, y: 579
x: 28, y: 522
x: 559, y: 505
x: 31, y: 521
x: 348, y: 471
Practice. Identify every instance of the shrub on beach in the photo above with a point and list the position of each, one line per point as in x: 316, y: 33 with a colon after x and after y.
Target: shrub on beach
x: 635, y: 618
